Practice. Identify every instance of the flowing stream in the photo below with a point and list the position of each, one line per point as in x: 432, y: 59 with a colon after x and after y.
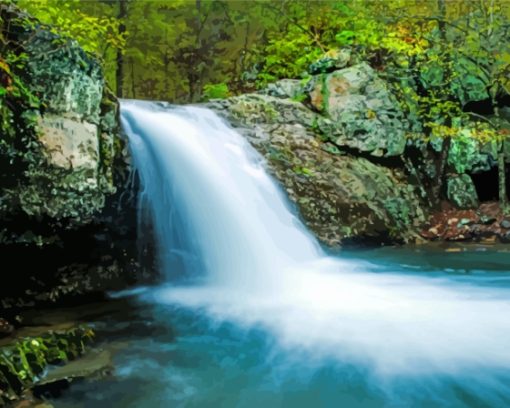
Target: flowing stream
x: 260, y: 316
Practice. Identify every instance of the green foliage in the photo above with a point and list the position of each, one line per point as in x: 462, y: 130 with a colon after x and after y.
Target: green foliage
x: 93, y: 24
x: 228, y: 42
x: 24, y: 362
x: 216, y: 91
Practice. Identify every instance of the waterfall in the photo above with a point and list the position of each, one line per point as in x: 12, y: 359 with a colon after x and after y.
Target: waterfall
x: 222, y: 221
x: 216, y: 210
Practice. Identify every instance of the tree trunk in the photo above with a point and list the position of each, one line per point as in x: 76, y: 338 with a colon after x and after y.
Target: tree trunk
x: 502, y: 179
x: 133, y: 84
x: 441, y: 168
x: 445, y: 149
x: 119, y: 74
x: 441, y: 5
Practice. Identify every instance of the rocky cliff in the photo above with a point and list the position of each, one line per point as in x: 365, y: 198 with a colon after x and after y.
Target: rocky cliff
x: 64, y: 168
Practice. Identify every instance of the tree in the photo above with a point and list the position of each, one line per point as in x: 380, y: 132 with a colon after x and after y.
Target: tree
x: 119, y: 75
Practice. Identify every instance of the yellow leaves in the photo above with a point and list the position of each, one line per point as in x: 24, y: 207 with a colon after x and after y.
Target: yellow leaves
x: 442, y: 131
x: 4, y: 66
x: 482, y: 132
x: 371, y: 114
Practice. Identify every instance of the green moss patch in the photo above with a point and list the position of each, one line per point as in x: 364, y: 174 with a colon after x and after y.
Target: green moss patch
x: 24, y: 362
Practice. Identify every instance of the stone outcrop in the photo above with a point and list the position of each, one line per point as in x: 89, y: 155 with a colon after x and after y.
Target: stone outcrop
x: 70, y: 157
x: 341, y: 197
x: 462, y: 192
x: 68, y: 216
x: 366, y: 115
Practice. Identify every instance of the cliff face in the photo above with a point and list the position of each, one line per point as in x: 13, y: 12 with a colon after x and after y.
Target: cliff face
x: 64, y: 169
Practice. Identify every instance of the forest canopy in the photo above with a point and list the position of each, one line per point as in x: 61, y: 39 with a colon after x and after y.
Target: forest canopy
x: 191, y: 50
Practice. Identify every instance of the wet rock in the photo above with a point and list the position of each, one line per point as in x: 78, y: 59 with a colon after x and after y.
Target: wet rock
x: 505, y: 237
x: 94, y: 364
x: 505, y: 224
x: 462, y: 191
x: 24, y: 361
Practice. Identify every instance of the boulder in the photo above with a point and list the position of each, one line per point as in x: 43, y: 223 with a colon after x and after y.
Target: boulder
x: 467, y: 154
x: 341, y: 197
x: 364, y: 111
x: 331, y: 61
x: 71, y: 131
x: 285, y: 88
x: 462, y: 192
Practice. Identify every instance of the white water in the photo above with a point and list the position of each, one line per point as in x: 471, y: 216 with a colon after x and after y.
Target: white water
x: 220, y: 216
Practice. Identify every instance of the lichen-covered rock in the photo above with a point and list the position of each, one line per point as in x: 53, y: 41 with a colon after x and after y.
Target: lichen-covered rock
x: 285, y: 88
x: 331, y: 61
x: 362, y: 108
x: 462, y: 191
x: 66, y: 170
x: 469, y: 155
x: 340, y: 197
x: 67, y: 209
x: 70, y: 144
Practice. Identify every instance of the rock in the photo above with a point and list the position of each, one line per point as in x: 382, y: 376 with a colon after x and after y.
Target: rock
x: 340, y: 197
x: 26, y: 359
x: 505, y: 237
x: 487, y: 219
x: 465, y: 222
x: 70, y: 144
x: 505, y: 224
x: 285, y: 88
x: 331, y: 61
x: 462, y: 191
x: 466, y: 154
x: 5, y: 328
x: 366, y: 114
x: 94, y: 364
x: 69, y: 158
x: 453, y: 221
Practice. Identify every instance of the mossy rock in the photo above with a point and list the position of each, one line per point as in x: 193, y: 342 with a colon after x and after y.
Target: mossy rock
x: 24, y: 361
x: 65, y: 151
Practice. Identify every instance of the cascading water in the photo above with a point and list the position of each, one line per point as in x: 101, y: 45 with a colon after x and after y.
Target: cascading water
x: 215, y: 209
x: 223, y: 222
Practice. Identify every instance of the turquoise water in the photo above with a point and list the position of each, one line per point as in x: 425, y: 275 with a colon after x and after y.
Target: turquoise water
x: 172, y: 355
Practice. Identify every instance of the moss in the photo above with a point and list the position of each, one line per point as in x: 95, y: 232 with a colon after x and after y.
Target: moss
x: 24, y: 362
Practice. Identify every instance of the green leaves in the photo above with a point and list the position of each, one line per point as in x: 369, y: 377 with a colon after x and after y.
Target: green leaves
x: 24, y: 362
x: 216, y: 91
x: 345, y: 37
